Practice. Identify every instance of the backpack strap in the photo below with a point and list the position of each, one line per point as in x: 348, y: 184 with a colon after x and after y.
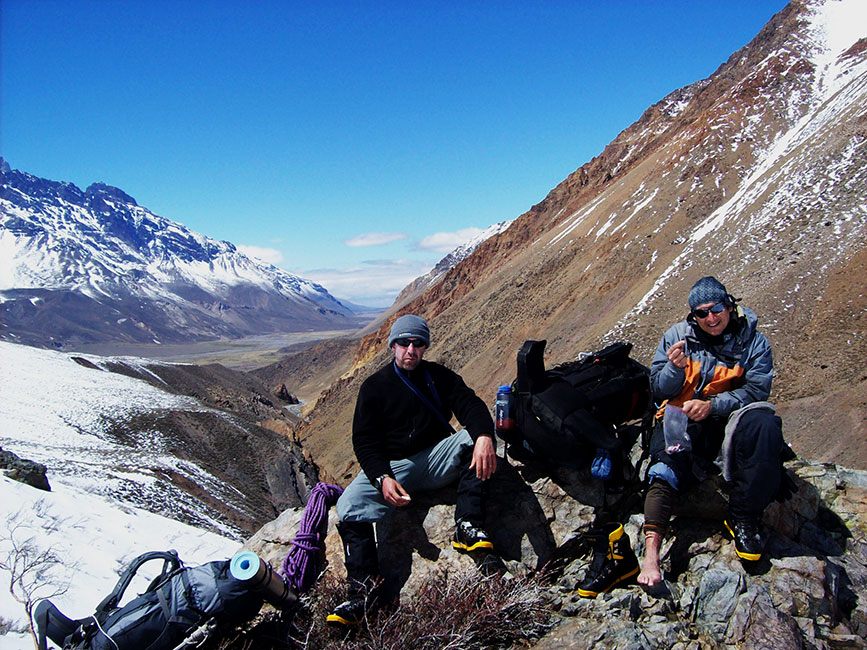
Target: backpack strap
x: 171, y: 562
x: 53, y: 624
x: 425, y: 400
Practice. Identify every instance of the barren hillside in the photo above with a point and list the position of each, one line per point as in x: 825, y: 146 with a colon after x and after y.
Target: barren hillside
x: 756, y: 174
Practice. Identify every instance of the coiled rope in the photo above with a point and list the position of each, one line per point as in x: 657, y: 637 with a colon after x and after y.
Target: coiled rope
x: 300, y: 566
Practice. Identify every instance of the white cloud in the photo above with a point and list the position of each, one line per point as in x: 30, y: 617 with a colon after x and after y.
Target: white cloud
x: 373, y: 283
x: 446, y: 242
x: 375, y: 239
x: 270, y: 255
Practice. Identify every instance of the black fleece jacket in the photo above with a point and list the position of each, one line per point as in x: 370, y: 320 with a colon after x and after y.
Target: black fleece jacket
x: 391, y: 422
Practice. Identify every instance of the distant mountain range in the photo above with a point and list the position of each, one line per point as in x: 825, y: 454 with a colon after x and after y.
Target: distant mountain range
x: 94, y: 266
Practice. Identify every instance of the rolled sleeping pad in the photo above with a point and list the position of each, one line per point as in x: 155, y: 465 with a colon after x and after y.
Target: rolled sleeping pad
x: 249, y: 568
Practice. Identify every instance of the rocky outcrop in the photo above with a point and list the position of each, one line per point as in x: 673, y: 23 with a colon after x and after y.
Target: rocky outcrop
x: 282, y: 393
x: 24, y: 471
x: 810, y: 591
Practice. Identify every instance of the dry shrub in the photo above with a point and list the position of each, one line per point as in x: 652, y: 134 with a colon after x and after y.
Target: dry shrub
x: 465, y: 611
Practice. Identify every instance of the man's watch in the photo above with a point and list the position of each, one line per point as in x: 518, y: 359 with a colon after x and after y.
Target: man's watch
x: 377, y: 483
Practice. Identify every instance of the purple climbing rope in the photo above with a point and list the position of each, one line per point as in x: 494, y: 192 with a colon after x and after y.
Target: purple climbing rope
x: 299, y: 566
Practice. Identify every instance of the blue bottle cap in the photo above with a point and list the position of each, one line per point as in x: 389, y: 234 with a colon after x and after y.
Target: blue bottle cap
x: 505, y: 389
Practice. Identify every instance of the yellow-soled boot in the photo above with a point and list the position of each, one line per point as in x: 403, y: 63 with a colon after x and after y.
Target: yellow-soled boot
x: 613, y: 561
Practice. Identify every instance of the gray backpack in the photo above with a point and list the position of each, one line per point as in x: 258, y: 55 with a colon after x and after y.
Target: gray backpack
x: 181, y: 607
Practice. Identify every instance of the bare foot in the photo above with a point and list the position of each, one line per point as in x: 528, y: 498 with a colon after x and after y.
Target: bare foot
x: 650, y: 575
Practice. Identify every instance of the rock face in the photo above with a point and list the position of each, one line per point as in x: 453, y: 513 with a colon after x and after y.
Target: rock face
x: 809, y: 591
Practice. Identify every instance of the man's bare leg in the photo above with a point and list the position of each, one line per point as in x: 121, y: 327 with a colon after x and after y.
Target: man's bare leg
x: 650, y: 573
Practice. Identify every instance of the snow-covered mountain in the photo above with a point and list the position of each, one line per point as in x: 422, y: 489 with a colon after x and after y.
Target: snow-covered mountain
x: 149, y: 434
x: 94, y: 266
x: 448, y: 262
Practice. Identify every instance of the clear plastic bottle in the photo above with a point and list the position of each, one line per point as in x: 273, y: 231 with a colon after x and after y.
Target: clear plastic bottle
x: 503, y: 413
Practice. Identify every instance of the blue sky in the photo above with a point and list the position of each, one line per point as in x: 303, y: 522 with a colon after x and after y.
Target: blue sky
x: 352, y: 143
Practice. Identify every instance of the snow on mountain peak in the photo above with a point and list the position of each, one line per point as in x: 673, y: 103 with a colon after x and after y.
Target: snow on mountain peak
x: 838, y: 24
x: 100, y: 245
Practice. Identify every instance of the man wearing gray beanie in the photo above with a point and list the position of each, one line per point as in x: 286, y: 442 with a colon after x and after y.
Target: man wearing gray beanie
x: 713, y: 371
x: 405, y: 444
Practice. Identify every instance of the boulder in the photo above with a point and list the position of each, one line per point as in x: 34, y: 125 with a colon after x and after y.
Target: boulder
x: 24, y: 471
x: 282, y: 393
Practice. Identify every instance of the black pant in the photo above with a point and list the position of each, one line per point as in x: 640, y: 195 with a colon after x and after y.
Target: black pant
x: 359, y: 542
x: 472, y: 493
x: 756, y: 448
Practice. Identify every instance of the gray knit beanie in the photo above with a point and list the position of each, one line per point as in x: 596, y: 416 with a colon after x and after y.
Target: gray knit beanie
x: 706, y: 290
x: 409, y: 326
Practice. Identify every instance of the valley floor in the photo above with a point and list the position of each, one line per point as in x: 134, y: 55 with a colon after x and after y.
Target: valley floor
x: 240, y: 354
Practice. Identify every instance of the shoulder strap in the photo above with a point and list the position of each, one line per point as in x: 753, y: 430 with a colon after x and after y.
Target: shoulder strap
x: 425, y: 400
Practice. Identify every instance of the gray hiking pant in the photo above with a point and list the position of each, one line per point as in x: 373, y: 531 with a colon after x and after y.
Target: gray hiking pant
x: 446, y: 463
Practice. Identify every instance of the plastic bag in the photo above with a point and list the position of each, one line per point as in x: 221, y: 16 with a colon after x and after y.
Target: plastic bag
x: 674, y: 427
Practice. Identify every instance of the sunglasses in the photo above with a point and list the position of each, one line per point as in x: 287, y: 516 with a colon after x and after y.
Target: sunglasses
x: 715, y: 309
x: 405, y: 343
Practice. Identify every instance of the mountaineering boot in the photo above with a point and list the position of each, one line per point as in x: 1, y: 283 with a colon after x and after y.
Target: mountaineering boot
x: 471, y: 538
x: 362, y: 571
x: 349, y: 612
x: 613, y: 561
x: 748, y: 540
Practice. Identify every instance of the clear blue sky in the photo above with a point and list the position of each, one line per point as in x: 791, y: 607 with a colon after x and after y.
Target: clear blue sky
x: 336, y: 139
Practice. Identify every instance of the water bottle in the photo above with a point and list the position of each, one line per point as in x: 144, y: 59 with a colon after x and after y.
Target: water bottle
x: 503, y: 418
x: 674, y: 423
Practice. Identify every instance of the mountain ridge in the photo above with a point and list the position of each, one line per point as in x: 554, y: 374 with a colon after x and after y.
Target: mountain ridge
x: 755, y: 174
x: 205, y: 445
x: 94, y: 266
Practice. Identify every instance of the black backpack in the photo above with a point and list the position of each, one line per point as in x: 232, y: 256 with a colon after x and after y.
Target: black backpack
x: 571, y: 411
x: 181, y: 607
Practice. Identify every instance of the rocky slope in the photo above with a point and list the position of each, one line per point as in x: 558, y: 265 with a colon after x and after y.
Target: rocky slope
x: 310, y: 369
x: 455, y: 257
x: 756, y: 174
x: 93, y: 266
x: 203, y: 445
x: 810, y: 590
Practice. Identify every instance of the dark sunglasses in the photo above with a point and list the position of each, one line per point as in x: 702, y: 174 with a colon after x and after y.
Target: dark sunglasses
x: 702, y: 313
x: 405, y: 343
